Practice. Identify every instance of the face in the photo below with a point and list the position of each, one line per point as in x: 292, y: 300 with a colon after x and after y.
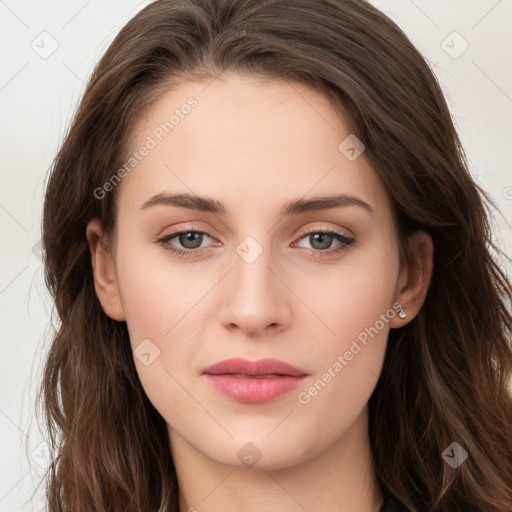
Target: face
x: 247, y: 231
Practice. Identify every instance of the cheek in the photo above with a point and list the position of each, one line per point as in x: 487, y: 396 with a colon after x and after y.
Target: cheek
x: 356, y: 311
x: 156, y: 294
x: 149, y: 306
x: 164, y: 307
x: 351, y: 297
x: 159, y: 305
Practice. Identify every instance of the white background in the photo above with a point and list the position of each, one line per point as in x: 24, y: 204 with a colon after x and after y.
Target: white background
x: 38, y: 97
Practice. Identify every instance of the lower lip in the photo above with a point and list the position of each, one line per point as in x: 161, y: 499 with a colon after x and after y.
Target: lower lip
x: 254, y: 390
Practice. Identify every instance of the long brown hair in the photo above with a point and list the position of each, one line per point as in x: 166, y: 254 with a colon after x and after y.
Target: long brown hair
x: 446, y: 374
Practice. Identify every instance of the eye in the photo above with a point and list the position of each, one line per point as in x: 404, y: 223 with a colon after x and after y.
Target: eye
x: 321, y: 240
x: 184, y: 241
x: 188, y: 242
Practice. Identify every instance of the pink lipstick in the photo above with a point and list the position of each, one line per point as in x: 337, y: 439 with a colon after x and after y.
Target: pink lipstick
x: 254, y: 382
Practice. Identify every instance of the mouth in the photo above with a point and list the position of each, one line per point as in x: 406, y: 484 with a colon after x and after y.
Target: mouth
x: 254, y: 382
x: 254, y: 376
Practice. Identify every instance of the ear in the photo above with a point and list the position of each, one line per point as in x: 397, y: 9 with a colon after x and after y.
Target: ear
x: 105, y: 279
x: 414, y: 277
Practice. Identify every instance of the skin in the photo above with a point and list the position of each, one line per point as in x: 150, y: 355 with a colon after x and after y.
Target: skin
x: 254, y: 146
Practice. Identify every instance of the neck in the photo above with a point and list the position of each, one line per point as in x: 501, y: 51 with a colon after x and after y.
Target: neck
x: 340, y: 478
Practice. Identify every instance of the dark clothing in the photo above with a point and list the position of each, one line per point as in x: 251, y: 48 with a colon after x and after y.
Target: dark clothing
x: 392, y: 506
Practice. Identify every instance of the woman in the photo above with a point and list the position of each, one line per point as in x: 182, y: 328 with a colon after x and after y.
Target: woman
x: 273, y: 273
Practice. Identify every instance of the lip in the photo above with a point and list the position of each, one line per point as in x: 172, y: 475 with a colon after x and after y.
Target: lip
x: 254, y: 382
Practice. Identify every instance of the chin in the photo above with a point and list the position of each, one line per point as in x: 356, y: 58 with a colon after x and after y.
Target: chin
x: 256, y: 454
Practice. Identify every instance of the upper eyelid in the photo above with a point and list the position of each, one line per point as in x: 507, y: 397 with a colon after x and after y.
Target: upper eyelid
x: 302, y: 234
x: 307, y: 231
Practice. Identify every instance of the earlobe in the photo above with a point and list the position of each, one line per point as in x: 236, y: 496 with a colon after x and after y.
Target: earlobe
x: 414, y: 279
x: 105, y: 280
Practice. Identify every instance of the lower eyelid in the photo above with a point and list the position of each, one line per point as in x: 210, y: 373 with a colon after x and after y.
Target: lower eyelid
x: 331, y: 252
x: 344, y: 240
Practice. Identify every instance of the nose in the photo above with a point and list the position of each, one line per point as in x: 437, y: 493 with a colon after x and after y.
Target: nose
x: 256, y: 301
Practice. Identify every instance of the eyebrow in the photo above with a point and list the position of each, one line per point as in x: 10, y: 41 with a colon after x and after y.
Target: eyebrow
x: 295, y: 207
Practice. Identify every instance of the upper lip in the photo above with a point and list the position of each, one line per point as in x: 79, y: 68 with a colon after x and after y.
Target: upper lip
x: 251, y: 368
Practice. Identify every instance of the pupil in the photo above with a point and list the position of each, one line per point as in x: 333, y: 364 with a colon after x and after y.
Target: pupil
x: 190, y: 240
x: 320, y: 240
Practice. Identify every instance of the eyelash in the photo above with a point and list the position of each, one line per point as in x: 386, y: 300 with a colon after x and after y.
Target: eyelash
x: 190, y: 253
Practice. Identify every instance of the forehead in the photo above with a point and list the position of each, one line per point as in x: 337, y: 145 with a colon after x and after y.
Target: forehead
x: 247, y: 142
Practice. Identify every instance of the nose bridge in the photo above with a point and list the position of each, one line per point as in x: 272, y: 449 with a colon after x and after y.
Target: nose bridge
x: 256, y: 297
x: 254, y: 278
